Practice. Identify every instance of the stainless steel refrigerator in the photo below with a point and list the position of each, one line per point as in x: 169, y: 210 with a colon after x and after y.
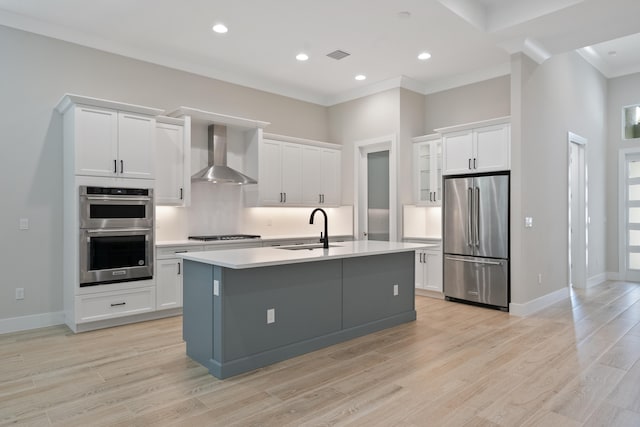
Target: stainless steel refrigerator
x: 476, y: 239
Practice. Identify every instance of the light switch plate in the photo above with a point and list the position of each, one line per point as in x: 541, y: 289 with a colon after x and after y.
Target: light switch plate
x: 216, y: 288
x: 395, y: 290
x: 24, y: 224
x: 271, y: 316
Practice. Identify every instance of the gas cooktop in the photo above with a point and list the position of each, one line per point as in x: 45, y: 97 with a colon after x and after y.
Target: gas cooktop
x: 224, y: 237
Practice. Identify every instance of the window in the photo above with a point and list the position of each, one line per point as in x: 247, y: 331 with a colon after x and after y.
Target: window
x: 631, y: 122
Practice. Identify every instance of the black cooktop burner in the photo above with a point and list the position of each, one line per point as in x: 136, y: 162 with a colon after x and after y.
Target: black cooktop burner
x: 224, y: 237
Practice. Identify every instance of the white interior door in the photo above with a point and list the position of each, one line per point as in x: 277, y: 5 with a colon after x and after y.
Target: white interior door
x: 631, y: 204
x: 375, y: 195
x: 578, y: 223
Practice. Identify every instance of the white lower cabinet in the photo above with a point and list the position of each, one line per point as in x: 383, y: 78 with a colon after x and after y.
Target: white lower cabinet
x: 429, y: 269
x: 109, y: 305
x: 168, y: 283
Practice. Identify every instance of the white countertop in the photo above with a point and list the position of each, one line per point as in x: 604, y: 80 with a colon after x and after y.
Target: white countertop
x: 264, y: 257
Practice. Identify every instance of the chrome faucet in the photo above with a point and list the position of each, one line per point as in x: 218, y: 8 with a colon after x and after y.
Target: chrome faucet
x: 325, y: 239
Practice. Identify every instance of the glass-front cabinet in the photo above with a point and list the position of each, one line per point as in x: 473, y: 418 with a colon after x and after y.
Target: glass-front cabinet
x: 427, y: 155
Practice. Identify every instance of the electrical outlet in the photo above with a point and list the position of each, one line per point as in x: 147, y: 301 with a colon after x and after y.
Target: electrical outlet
x: 271, y: 316
x: 395, y: 290
x: 19, y: 293
x: 24, y: 224
x: 539, y: 278
x: 528, y: 222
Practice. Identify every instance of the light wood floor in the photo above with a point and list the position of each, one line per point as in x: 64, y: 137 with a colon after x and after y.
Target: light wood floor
x: 576, y: 363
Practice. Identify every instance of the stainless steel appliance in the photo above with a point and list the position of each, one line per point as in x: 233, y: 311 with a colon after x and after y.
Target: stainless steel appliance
x: 116, y: 234
x: 476, y: 239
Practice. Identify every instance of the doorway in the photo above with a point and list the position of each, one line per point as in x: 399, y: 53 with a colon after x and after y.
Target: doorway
x: 375, y: 213
x: 629, y: 207
x: 578, y: 212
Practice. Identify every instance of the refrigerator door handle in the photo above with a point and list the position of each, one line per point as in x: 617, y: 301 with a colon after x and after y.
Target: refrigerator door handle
x: 470, y: 218
x: 473, y: 261
x: 476, y: 205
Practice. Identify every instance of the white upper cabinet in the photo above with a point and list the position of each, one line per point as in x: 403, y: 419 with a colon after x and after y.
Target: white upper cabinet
x: 173, y: 182
x: 109, y: 139
x: 297, y: 172
x: 321, y: 176
x: 477, y: 147
x: 427, y: 166
x: 136, y: 145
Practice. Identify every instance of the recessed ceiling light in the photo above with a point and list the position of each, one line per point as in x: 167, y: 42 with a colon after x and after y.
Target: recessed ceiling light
x: 423, y: 56
x: 405, y: 14
x: 360, y: 77
x: 612, y: 53
x: 220, y: 28
x: 302, y: 56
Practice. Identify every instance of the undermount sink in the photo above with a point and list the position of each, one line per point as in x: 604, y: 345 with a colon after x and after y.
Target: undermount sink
x: 307, y: 247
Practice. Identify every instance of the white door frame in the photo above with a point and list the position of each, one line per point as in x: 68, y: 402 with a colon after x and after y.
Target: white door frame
x: 622, y: 212
x: 361, y: 149
x: 581, y: 264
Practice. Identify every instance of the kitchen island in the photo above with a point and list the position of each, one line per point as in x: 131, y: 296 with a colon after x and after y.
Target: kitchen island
x: 248, y: 308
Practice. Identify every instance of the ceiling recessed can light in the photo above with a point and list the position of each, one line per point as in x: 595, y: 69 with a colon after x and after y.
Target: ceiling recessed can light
x: 423, y: 56
x: 220, y: 28
x: 361, y: 77
x: 302, y: 56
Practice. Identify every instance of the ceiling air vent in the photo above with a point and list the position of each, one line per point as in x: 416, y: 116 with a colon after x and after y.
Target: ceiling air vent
x: 338, y: 54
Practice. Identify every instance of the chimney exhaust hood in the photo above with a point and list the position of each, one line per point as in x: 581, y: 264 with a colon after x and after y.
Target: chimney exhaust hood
x: 218, y: 172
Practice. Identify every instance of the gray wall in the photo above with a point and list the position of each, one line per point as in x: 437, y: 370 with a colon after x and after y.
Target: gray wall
x: 623, y: 91
x: 563, y: 94
x: 466, y: 104
x: 36, y: 71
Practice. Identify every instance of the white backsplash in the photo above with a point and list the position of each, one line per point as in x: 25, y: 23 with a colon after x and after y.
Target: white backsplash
x: 218, y: 209
x: 280, y: 222
x: 422, y: 222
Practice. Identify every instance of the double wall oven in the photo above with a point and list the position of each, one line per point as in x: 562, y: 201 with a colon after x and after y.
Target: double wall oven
x: 116, y: 234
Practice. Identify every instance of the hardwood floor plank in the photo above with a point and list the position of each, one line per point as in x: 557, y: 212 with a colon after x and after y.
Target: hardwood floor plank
x: 610, y: 415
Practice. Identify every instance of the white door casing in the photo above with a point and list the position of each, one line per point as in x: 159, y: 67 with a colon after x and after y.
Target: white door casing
x: 361, y: 149
x: 578, y: 211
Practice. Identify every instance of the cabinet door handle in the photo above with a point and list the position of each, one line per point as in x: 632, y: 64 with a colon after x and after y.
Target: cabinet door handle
x: 121, y: 166
x: 469, y: 164
x: 285, y: 197
x: 115, y: 304
x: 115, y: 166
x: 179, y: 272
x: 323, y: 198
x: 280, y: 197
x: 181, y: 194
x: 474, y: 163
x: 319, y: 198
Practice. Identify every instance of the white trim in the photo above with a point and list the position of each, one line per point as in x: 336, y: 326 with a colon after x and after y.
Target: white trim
x: 474, y: 125
x: 614, y: 276
x: 34, y: 321
x: 390, y: 143
x: 580, y: 141
x: 530, y: 307
x: 596, y: 280
x: 622, y: 219
x: 303, y: 141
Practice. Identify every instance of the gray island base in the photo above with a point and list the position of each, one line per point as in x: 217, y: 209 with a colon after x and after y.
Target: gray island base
x: 239, y: 319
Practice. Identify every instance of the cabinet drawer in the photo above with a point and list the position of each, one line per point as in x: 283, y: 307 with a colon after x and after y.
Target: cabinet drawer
x: 170, y: 252
x: 107, y: 305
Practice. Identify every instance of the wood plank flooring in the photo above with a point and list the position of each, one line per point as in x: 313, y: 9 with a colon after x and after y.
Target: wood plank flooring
x: 576, y: 363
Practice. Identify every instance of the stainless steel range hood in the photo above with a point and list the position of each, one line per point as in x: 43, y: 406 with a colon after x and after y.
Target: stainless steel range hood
x: 218, y: 172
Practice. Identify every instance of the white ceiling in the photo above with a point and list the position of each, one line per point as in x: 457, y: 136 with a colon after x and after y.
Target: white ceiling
x: 469, y: 40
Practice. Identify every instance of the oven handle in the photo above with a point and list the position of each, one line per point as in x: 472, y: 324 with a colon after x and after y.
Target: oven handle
x: 119, y: 199
x: 117, y: 230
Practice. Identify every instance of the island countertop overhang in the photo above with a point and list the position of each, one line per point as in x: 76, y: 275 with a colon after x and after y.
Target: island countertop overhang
x: 271, y: 256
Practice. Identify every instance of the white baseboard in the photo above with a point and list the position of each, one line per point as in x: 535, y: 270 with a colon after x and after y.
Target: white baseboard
x: 598, y: 279
x: 35, y: 321
x: 530, y: 307
x: 614, y: 275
